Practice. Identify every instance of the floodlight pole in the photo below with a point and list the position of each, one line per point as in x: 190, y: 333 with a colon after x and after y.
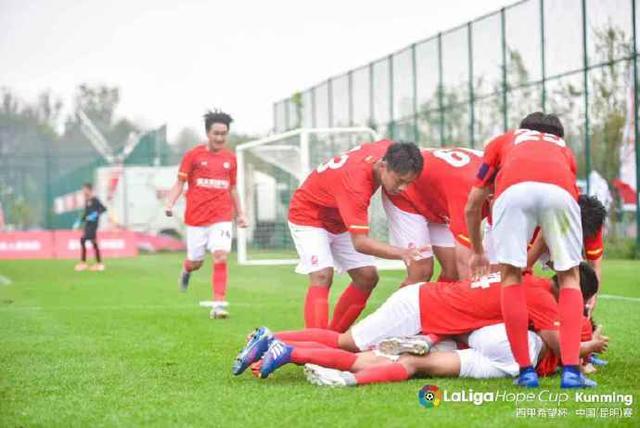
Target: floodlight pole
x: 585, y: 76
x: 636, y: 131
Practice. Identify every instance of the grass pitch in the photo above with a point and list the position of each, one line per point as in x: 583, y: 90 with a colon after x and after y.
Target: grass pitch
x: 124, y: 348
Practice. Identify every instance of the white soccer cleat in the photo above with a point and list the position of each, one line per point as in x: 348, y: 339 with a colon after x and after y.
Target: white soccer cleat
x: 218, y: 313
x: 98, y: 267
x: 414, y: 345
x: 80, y: 267
x: 323, y: 376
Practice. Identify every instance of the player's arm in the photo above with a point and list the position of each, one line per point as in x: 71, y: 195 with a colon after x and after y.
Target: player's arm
x: 598, y: 342
x: 537, y: 248
x: 101, y: 208
x: 366, y: 245
x: 241, y: 219
x: 173, y: 195
x: 473, y: 217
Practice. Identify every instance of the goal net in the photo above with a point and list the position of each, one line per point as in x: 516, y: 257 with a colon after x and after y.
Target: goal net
x: 270, y: 170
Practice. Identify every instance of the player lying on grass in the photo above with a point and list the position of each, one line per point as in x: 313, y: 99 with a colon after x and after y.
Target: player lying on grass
x: 329, y: 223
x: 430, y: 213
x: 434, y: 309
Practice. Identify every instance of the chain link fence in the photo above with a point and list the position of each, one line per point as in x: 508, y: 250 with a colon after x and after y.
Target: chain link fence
x: 576, y: 58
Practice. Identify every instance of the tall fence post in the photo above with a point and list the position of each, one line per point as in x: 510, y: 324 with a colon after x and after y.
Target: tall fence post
x: 314, y: 120
x: 330, y: 101
x: 543, y: 67
x: 350, y: 83
x: 472, y: 117
x: 503, y: 32
x: 391, y: 127
x: 636, y: 130
x: 585, y: 75
x: 372, y: 105
x: 414, y: 94
x: 440, y: 90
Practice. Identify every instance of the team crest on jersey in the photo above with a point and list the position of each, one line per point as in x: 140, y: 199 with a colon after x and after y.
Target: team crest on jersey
x: 314, y: 260
x: 226, y: 165
x: 203, y: 163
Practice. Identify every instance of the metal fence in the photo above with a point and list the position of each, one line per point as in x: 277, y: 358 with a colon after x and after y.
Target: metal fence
x: 576, y: 58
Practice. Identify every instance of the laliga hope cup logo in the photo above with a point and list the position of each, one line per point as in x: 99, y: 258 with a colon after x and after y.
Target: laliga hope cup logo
x: 430, y: 396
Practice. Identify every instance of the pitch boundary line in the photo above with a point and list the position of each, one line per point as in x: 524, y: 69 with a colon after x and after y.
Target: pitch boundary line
x: 614, y: 297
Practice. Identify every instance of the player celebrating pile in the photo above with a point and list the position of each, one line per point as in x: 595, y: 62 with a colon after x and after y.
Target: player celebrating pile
x: 329, y: 223
x: 210, y: 171
x: 534, y: 174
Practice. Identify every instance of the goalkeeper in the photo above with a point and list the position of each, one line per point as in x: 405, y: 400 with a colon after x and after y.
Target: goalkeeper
x: 93, y: 208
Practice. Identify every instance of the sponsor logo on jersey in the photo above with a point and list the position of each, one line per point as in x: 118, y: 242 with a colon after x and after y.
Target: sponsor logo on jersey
x: 212, y: 183
x: 226, y: 165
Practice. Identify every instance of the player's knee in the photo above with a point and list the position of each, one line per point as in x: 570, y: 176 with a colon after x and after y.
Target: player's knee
x: 219, y: 256
x: 192, y: 265
x: 322, y: 277
x: 346, y: 342
x: 367, y: 279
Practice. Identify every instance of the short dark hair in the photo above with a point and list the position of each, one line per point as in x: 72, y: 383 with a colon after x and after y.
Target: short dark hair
x: 88, y: 185
x: 216, y: 116
x: 403, y: 157
x: 588, y: 281
x: 592, y: 213
x: 547, y: 123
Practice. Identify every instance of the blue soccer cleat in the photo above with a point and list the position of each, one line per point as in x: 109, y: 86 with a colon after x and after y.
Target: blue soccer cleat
x: 597, y: 361
x: 278, y: 355
x: 572, y: 378
x: 528, y: 378
x: 257, y: 344
x: 183, y: 281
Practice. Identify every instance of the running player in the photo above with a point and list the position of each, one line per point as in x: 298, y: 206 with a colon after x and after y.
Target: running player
x: 534, y: 173
x: 430, y: 213
x: 212, y: 199
x: 329, y: 223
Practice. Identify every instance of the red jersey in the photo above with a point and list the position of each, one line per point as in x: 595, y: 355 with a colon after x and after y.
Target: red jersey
x: 211, y: 176
x: 550, y: 362
x: 336, y: 195
x: 526, y: 155
x: 440, y: 193
x: 464, y: 306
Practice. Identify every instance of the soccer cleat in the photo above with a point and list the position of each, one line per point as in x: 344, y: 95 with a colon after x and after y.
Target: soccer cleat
x: 98, y: 267
x: 278, y: 354
x: 80, y: 267
x: 257, y: 344
x: 183, y: 281
x: 323, y: 376
x: 415, y: 345
x: 572, y: 378
x: 597, y: 361
x: 218, y: 312
x: 528, y: 378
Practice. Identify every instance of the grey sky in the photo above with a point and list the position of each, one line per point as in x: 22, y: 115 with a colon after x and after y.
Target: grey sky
x: 174, y: 59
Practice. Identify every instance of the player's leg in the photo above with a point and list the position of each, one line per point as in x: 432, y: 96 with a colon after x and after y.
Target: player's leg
x: 514, y: 220
x: 316, y: 261
x: 364, y: 278
x: 562, y: 231
x: 196, y: 248
x: 219, y: 244
x: 83, y: 255
x: 444, y: 249
x: 410, y: 230
x: 463, y: 253
x: 99, y: 266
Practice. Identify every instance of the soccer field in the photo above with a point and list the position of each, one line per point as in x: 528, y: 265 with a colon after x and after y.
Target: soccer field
x: 124, y: 348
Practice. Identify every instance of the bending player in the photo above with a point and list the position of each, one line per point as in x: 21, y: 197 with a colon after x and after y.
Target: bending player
x: 328, y: 220
x: 430, y: 212
x: 534, y: 173
x: 210, y: 171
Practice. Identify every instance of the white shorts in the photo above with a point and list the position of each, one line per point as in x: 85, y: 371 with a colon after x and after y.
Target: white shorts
x: 215, y: 237
x: 399, y: 315
x: 409, y: 230
x: 489, y: 355
x: 522, y: 207
x: 319, y: 249
x: 489, y: 246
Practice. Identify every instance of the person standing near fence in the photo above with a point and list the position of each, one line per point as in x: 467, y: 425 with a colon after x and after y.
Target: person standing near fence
x: 210, y: 171
x: 93, y: 209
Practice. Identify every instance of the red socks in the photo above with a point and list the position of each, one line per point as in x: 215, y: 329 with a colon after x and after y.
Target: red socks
x: 516, y: 320
x: 395, y: 372
x: 316, y: 307
x: 219, y: 280
x: 324, y: 337
x: 349, y: 306
x: 570, y: 306
x: 327, y: 357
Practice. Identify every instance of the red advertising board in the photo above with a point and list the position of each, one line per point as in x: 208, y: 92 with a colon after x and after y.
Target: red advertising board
x: 64, y: 244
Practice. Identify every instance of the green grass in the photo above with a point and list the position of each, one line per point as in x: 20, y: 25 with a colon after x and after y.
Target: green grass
x: 124, y: 348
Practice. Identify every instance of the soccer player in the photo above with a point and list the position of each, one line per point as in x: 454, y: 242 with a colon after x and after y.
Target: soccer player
x: 534, y: 173
x: 212, y: 199
x: 430, y: 213
x: 328, y: 220
x: 93, y: 208
x: 442, y: 309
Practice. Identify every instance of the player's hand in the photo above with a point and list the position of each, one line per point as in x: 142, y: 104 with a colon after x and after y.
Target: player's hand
x: 168, y: 212
x: 600, y: 341
x: 479, y: 265
x: 410, y: 255
x: 241, y: 221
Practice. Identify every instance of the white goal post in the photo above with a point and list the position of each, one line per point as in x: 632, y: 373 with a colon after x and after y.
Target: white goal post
x: 270, y: 170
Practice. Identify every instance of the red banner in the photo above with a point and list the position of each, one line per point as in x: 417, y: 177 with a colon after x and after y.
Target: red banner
x: 64, y: 244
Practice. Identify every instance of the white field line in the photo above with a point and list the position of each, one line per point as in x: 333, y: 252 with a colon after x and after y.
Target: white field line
x: 614, y: 297
x: 4, y: 280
